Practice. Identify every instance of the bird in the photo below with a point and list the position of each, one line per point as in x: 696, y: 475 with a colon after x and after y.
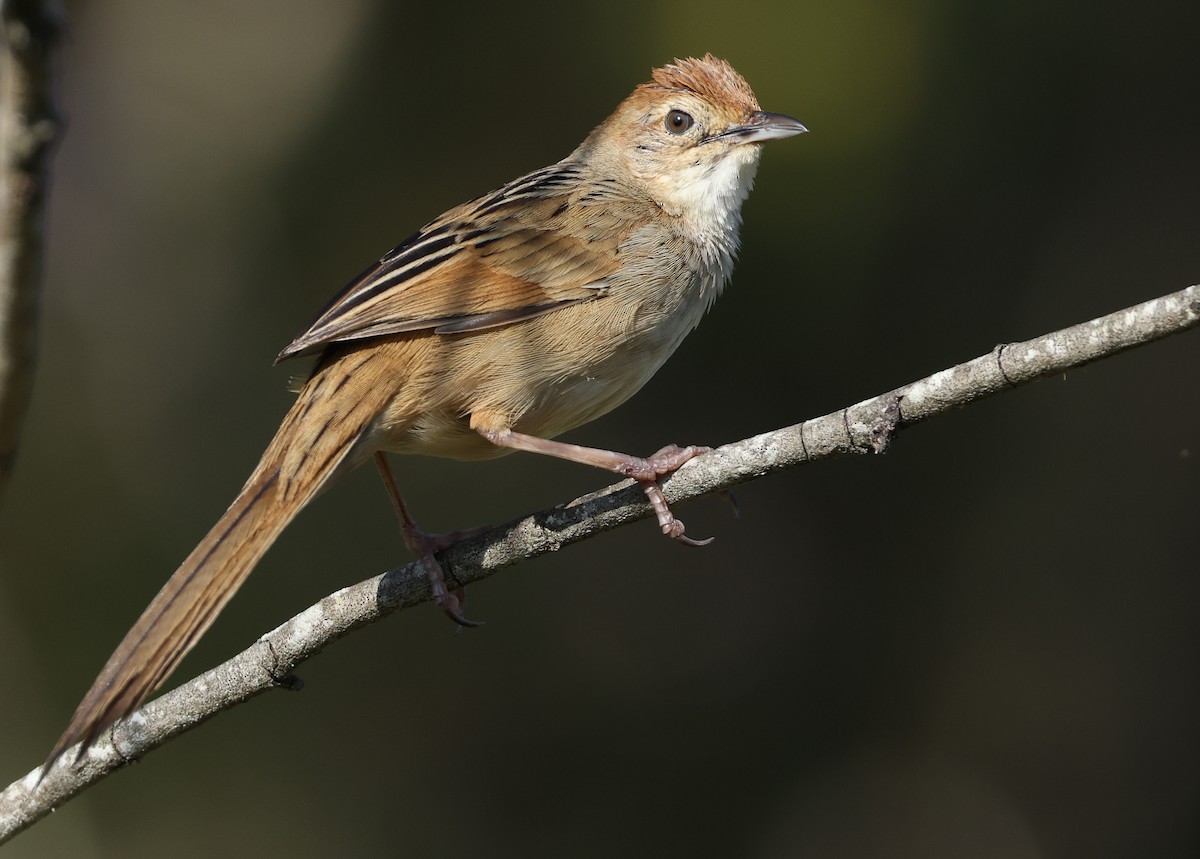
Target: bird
x: 496, y: 327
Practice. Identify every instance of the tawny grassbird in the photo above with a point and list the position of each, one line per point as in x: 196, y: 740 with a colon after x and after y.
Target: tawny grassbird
x: 505, y: 322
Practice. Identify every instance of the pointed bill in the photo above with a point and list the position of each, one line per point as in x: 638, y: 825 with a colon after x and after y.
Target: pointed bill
x: 763, y: 126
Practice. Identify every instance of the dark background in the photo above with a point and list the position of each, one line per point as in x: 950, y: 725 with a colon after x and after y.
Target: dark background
x: 983, y: 643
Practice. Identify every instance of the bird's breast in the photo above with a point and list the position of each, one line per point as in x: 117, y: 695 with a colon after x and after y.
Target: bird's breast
x: 554, y: 372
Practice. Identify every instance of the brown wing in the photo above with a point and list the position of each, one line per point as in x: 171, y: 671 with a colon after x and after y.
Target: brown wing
x: 535, y: 245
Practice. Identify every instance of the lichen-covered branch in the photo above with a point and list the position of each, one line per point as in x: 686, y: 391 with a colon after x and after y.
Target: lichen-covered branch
x: 866, y: 427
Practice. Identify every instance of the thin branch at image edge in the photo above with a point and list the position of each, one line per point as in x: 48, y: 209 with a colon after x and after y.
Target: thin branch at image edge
x: 29, y: 127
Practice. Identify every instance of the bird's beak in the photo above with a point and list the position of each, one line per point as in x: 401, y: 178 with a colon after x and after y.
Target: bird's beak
x: 763, y: 126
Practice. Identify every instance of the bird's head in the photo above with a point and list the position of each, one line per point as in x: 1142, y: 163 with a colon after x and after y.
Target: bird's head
x: 691, y: 136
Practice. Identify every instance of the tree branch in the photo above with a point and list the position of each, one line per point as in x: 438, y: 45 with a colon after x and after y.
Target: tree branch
x: 868, y: 426
x: 28, y: 128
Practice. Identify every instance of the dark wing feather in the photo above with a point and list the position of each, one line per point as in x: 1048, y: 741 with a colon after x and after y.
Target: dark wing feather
x: 533, y: 246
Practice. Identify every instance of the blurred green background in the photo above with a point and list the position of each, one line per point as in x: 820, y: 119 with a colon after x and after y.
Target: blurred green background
x: 982, y: 644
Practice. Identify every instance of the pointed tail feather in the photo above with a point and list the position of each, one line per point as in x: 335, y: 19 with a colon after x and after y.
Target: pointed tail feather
x: 313, y: 443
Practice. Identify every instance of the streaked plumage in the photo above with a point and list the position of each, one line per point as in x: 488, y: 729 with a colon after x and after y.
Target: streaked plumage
x: 505, y: 322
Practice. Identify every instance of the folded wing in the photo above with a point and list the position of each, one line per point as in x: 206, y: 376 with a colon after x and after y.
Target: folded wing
x: 531, y: 247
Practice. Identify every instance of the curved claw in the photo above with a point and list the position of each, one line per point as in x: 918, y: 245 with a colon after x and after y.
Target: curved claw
x: 452, y: 608
x: 673, y: 528
x: 460, y: 620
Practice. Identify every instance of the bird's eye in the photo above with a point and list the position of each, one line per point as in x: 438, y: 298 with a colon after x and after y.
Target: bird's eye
x: 678, y: 122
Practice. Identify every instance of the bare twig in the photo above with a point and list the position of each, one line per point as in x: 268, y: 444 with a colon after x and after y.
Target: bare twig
x: 862, y: 428
x: 28, y: 127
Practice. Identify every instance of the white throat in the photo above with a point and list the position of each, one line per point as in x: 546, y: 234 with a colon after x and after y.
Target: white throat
x: 709, y: 194
x: 708, y: 197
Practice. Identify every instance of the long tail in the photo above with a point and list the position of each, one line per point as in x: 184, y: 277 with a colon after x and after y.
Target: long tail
x: 318, y: 438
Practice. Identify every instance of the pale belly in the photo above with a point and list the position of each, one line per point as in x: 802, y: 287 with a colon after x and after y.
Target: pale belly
x: 547, y: 375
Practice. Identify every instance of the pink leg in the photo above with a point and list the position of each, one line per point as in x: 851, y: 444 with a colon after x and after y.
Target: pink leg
x: 645, y: 471
x: 425, y: 545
